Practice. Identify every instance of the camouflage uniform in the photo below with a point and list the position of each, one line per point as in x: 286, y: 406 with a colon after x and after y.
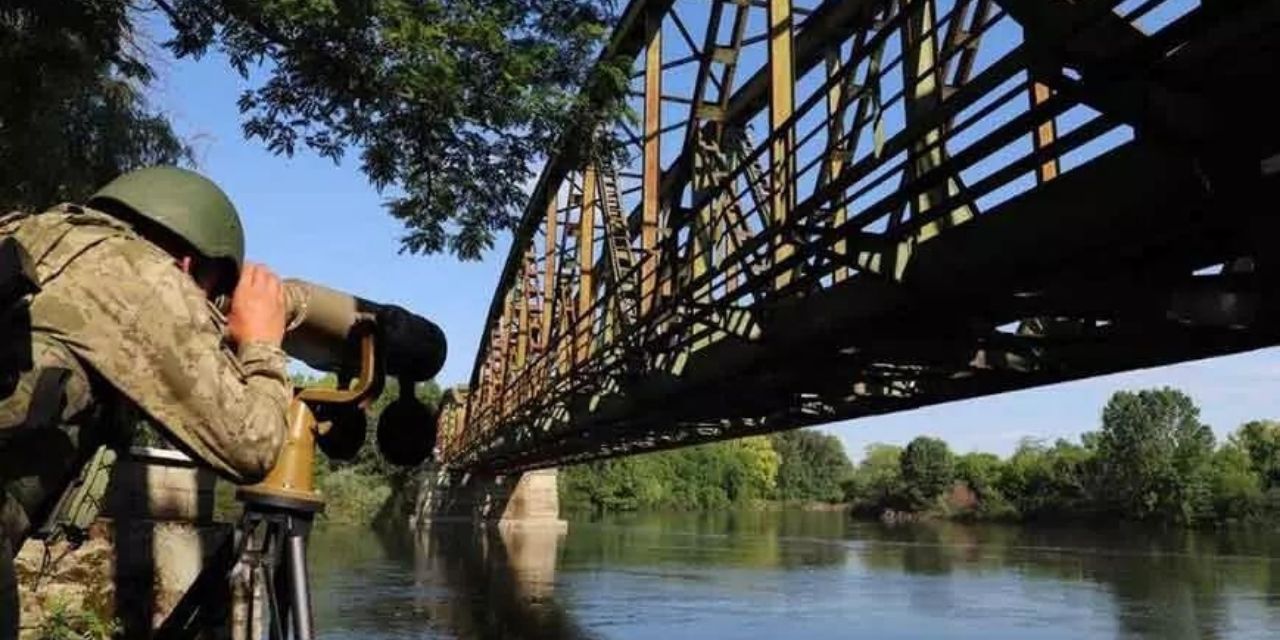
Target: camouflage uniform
x: 136, y: 333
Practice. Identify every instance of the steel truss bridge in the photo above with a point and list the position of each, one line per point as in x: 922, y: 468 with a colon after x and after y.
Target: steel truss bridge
x: 852, y: 207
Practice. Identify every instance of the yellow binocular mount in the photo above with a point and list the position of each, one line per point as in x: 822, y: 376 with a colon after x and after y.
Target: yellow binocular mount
x: 290, y: 484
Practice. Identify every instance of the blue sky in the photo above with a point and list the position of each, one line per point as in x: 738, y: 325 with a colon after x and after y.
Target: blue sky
x: 307, y: 218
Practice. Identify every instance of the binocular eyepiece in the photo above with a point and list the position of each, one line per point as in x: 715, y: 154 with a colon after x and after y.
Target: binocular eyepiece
x: 326, y: 331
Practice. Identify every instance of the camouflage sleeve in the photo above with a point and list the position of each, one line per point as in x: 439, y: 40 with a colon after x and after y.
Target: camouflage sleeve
x: 151, y: 333
x: 228, y: 408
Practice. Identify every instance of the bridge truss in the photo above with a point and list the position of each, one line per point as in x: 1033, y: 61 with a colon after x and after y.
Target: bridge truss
x: 845, y: 208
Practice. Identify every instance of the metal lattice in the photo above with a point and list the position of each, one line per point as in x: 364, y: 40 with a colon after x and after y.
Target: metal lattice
x: 949, y: 198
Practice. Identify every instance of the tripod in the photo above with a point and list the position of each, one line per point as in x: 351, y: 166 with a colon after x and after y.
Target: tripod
x: 272, y: 543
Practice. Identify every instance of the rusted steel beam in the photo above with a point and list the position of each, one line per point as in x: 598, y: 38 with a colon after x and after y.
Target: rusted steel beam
x: 782, y: 98
x: 651, y: 175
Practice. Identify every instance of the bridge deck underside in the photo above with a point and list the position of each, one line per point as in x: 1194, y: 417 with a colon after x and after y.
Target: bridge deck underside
x: 1151, y: 252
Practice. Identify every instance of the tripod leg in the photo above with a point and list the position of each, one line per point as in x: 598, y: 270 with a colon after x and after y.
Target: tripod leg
x: 275, y: 581
x: 296, y: 564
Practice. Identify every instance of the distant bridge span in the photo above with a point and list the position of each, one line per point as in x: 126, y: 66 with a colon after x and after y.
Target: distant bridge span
x: 846, y: 208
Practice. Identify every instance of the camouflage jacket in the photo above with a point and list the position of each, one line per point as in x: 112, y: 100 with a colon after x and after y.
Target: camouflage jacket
x: 142, y: 327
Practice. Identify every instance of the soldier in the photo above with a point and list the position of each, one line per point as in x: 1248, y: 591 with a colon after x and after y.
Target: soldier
x: 124, y: 324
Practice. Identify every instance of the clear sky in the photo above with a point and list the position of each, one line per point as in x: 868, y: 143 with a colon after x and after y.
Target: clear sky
x: 307, y: 218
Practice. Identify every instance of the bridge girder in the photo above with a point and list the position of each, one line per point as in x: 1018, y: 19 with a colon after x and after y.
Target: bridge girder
x: 948, y: 199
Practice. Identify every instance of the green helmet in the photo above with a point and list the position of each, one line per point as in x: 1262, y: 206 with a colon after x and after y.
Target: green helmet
x: 184, y: 202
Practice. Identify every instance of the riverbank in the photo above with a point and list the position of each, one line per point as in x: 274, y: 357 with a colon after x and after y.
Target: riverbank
x: 1152, y: 460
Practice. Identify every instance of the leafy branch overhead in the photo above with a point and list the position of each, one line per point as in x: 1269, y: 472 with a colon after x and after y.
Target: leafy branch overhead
x: 450, y: 105
x: 72, y: 109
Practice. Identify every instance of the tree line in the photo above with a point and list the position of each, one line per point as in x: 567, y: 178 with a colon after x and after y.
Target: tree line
x: 805, y: 466
x: 1152, y: 459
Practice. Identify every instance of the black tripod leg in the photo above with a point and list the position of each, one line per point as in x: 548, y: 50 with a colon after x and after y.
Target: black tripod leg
x: 276, y: 582
x: 295, y: 548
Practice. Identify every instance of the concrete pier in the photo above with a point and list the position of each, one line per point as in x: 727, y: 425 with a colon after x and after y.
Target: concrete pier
x: 154, y: 536
x: 522, y: 500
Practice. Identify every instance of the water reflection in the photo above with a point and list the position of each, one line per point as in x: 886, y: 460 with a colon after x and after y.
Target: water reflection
x: 503, y: 581
x: 1162, y: 584
x: 796, y: 574
x: 746, y: 539
x: 452, y: 581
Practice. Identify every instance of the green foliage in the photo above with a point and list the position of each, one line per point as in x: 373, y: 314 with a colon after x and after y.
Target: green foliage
x: 1152, y: 460
x: 450, y: 105
x: 982, y: 473
x: 1154, y: 455
x: 72, y: 111
x: 352, y: 496
x: 877, y: 480
x: 1047, y: 482
x: 1260, y: 439
x: 62, y: 623
x: 928, y: 468
x: 1237, y: 487
x: 710, y: 476
x: 813, y: 466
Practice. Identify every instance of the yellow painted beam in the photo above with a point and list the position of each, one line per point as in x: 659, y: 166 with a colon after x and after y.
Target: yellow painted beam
x: 586, y: 262
x: 781, y: 105
x: 549, y: 264
x: 522, y: 322
x: 651, y: 177
x: 1046, y: 133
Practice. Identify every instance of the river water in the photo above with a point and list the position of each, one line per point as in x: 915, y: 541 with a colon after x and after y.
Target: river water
x: 794, y: 574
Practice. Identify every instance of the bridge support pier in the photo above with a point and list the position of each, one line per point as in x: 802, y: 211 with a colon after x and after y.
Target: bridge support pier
x: 521, y: 500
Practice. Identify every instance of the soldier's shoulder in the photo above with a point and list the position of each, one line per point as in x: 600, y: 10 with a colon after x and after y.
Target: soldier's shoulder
x: 111, y: 256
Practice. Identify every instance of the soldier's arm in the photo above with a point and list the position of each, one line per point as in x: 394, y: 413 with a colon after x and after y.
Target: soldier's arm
x: 227, y: 408
x: 150, y: 332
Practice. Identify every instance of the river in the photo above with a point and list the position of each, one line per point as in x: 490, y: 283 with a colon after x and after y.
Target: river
x: 794, y: 574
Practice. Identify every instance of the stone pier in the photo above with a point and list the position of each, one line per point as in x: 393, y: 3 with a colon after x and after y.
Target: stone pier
x: 155, y: 535
x: 522, y: 500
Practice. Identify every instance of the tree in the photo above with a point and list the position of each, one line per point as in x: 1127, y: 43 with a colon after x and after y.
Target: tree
x: 1154, y: 455
x: 755, y: 474
x: 813, y: 465
x: 710, y: 476
x: 1050, y: 482
x: 72, y: 111
x: 982, y: 472
x: 450, y: 105
x: 876, y: 483
x: 1260, y: 440
x: 928, y: 468
x: 1237, y: 489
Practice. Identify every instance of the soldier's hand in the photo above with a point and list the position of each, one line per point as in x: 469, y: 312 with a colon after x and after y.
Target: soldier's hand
x: 257, y: 307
